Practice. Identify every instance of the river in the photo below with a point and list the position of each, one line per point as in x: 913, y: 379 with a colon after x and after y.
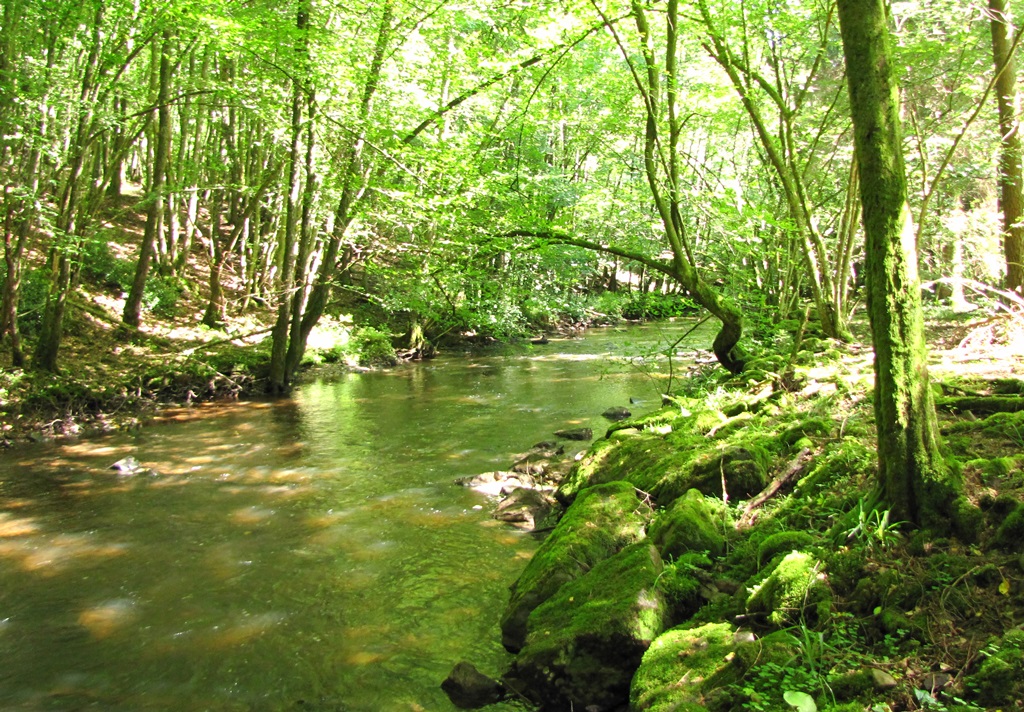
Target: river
x: 300, y: 554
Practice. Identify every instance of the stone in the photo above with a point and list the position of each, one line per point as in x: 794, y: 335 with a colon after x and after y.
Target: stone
x: 576, y: 434
x: 692, y: 523
x: 584, y: 644
x: 127, y: 466
x: 742, y: 470
x: 685, y: 666
x: 468, y: 688
x: 525, y: 508
x: 617, y: 413
x: 495, y: 483
x: 601, y: 521
x: 882, y: 680
x: 795, y: 591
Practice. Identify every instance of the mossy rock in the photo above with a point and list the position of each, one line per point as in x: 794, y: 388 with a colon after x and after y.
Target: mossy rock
x: 1000, y: 679
x: 601, y: 521
x: 641, y: 460
x: 795, y: 591
x: 1010, y: 533
x: 782, y: 542
x: 744, y: 470
x: 691, y: 524
x: 808, y: 428
x: 686, y: 666
x: 584, y: 644
x: 682, y: 586
x: 674, y: 669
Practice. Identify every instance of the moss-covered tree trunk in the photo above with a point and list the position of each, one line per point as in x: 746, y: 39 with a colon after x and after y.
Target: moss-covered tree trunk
x: 912, y: 478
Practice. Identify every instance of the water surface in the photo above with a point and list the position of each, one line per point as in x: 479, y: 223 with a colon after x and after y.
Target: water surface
x: 302, y: 554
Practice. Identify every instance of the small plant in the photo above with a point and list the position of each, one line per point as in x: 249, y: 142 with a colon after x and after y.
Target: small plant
x: 873, y: 528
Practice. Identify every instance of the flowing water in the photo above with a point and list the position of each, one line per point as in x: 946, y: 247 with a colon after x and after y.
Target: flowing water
x: 304, y: 554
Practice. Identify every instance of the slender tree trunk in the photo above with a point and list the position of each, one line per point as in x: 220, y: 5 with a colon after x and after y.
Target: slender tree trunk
x: 1010, y: 202
x: 155, y: 211
x: 911, y: 475
x: 69, y: 223
x: 279, y: 375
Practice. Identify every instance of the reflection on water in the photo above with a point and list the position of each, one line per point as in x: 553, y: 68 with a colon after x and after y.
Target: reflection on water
x: 306, y: 554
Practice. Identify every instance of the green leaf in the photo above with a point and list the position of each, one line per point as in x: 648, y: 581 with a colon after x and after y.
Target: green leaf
x: 800, y: 700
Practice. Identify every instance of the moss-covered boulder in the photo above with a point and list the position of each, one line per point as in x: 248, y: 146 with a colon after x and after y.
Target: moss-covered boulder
x: 585, y: 643
x: 642, y: 460
x: 674, y: 669
x: 1010, y: 533
x: 782, y: 542
x: 795, y: 591
x: 692, y: 523
x: 689, y: 666
x: 601, y: 521
x: 669, y: 466
x: 743, y: 470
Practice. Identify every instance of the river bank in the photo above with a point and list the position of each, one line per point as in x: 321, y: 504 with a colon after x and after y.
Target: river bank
x: 723, y: 553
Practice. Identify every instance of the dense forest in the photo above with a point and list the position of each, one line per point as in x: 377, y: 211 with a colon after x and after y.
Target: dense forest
x: 306, y: 181
x: 484, y: 168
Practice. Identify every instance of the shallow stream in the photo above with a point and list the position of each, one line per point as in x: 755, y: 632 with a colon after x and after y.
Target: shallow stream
x: 302, y: 554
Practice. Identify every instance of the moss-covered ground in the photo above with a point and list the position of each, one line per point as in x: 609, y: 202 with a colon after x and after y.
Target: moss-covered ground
x: 807, y: 593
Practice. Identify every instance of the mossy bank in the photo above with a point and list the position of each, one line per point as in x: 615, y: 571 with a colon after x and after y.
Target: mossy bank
x: 724, y: 553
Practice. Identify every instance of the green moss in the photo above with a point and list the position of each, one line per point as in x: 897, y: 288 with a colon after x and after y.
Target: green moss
x: 675, y: 667
x: 680, y: 586
x: 848, y: 458
x: 1011, y: 532
x: 642, y: 460
x: 601, y: 521
x: 692, y: 523
x: 852, y: 685
x: 1000, y: 679
x: 807, y: 428
x: 584, y: 644
x: 744, y: 470
x: 1007, y: 425
x: 782, y: 542
x: 795, y: 591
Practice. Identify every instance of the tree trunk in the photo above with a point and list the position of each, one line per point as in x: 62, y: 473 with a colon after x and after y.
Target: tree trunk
x: 280, y: 378
x: 911, y: 475
x: 155, y: 210
x: 1010, y: 153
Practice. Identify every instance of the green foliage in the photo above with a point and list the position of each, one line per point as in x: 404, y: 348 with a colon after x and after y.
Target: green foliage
x: 800, y: 701
x: 374, y: 348
x: 330, y: 341
x: 873, y: 529
x: 35, y: 284
x: 644, y: 306
x: 999, y: 679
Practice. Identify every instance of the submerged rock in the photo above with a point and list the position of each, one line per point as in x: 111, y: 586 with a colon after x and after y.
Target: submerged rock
x: 576, y: 434
x: 468, y: 688
x: 128, y: 466
x: 617, y: 413
x: 525, y: 508
x: 601, y: 521
x: 497, y: 483
x: 584, y: 644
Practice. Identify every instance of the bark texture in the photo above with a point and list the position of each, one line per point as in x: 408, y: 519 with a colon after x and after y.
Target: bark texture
x: 913, y: 481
